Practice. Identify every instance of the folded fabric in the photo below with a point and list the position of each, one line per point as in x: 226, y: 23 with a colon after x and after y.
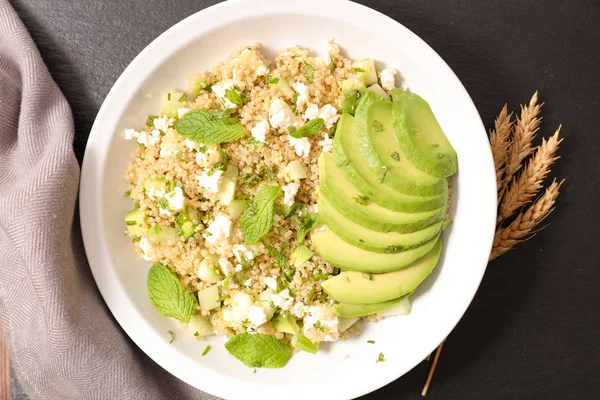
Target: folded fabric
x: 63, y: 342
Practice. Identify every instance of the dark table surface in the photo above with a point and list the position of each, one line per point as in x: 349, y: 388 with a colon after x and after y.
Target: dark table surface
x: 532, y: 330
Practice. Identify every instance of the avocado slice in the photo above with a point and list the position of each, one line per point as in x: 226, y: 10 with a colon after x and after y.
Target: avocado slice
x: 420, y: 135
x: 355, y: 288
x: 301, y: 342
x: 378, y: 242
x: 360, y: 310
x: 338, y: 190
x: 343, y: 255
x: 285, y: 323
x: 359, y: 173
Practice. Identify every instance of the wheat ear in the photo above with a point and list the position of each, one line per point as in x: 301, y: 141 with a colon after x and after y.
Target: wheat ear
x: 500, y: 142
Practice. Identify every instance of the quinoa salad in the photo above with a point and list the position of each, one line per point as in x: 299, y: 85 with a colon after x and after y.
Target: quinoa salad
x: 280, y: 202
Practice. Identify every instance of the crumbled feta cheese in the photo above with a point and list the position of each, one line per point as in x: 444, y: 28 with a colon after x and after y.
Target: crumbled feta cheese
x: 164, y: 211
x: 261, y: 70
x: 149, y: 139
x: 155, y: 194
x: 388, y: 79
x: 163, y: 123
x: 168, y: 149
x: 210, y: 180
x: 289, y: 193
x: 282, y: 299
x: 313, y: 209
x: 182, y: 111
x: 270, y: 282
x: 301, y: 146
x: 299, y: 310
x: 219, y: 230
x: 131, y: 134
x: 201, y: 159
x: 219, y: 90
x: 260, y: 130
x: 175, y: 199
x: 145, y: 246
x: 240, y: 250
x: 327, y: 143
x: 256, y: 315
x: 320, y: 324
x: 248, y: 282
x: 281, y: 115
x: 312, y: 112
x: 329, y: 114
x: 226, y: 266
x: 190, y: 144
x: 238, y: 267
x: 330, y: 49
x: 302, y: 91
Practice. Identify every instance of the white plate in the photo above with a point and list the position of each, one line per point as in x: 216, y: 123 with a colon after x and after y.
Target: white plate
x: 196, y: 44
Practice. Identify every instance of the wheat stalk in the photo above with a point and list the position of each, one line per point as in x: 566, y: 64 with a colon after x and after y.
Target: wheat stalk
x: 526, y: 185
x: 500, y: 143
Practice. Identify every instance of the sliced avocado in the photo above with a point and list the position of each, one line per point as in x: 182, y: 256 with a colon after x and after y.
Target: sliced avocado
x: 421, y: 137
x: 355, y: 288
x: 340, y: 192
x: 164, y: 234
x: 136, y: 222
x: 378, y: 242
x: 300, y: 255
x: 343, y: 255
x: 301, y: 342
x: 377, y: 144
x: 351, y: 100
x: 360, y: 310
x: 285, y: 323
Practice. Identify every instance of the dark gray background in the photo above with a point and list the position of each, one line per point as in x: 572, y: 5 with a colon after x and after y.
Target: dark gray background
x: 532, y: 330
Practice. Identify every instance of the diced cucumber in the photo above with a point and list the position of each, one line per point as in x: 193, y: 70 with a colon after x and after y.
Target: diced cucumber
x: 240, y: 302
x: 375, y: 88
x: 231, y: 172
x: 236, y: 208
x: 281, y: 85
x: 197, y: 82
x: 301, y: 342
x: 366, y: 71
x: 201, y: 325
x: 136, y: 222
x: 164, y: 234
x: 295, y: 171
x: 319, y: 63
x: 300, y: 255
x: 264, y: 299
x: 155, y: 184
x: 188, y: 229
x: 226, y: 191
x: 353, y: 83
x: 170, y: 103
x: 285, y: 323
x: 346, y: 323
x: 184, y: 225
x: 209, y: 298
x: 208, y: 272
x: 402, y: 308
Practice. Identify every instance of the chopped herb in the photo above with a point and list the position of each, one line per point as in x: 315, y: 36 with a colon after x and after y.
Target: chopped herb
x: 150, y: 120
x: 367, y: 276
x: 136, y: 239
x: 280, y: 259
x: 371, y: 341
x: 128, y: 193
x: 393, y: 249
x: 271, y: 172
x: 223, y: 162
x: 332, y: 130
x: 272, y: 80
x: 170, y: 332
x: 169, y: 96
x: 295, y: 98
x: 318, y: 326
x: 336, y: 270
x: 309, y: 72
x: 286, y: 211
x: 197, y: 334
x: 308, y: 129
x: 130, y: 223
x: 206, y: 350
x: 233, y: 95
x: 207, y: 88
x: 182, y: 98
x: 381, y: 358
x: 304, y: 225
x: 358, y: 70
x: 440, y: 155
x: 252, y: 141
x: 382, y: 174
x: 362, y: 200
x: 320, y: 276
x: 171, y: 185
x: 254, y: 371
x: 251, y: 180
x: 435, y: 145
x: 225, y: 296
x: 360, y: 240
x: 396, y: 156
x: 377, y: 125
x: 343, y: 163
x: 311, y: 296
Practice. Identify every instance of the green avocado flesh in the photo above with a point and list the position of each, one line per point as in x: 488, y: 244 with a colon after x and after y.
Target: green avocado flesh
x: 364, y: 238
x: 346, y: 198
x: 420, y: 136
x: 343, y: 255
x: 376, y: 143
x: 353, y: 287
x: 368, y: 182
x: 360, y: 310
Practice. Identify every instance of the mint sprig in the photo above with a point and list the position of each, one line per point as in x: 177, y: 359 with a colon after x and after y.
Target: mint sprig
x: 208, y: 127
x: 308, y: 129
x: 233, y: 95
x: 257, y: 219
x: 305, y: 224
x: 258, y: 350
x: 167, y: 294
x: 309, y: 72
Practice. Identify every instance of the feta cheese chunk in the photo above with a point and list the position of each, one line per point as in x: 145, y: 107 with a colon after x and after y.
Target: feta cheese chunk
x: 155, y: 194
x: 327, y: 143
x: 218, y: 231
x: 329, y: 114
x: 282, y: 299
x: 260, y: 130
x: 331, y: 49
x: 167, y: 149
x: 281, y: 115
x: 190, y: 144
x: 210, y: 180
x: 131, y: 134
x: 163, y: 123
x: 320, y: 324
x: 301, y: 146
x: 270, y: 282
x: 181, y: 112
x: 302, y: 91
x: 388, y: 79
x: 248, y: 282
x: 220, y: 89
x: 299, y: 310
x: 289, y: 193
x: 256, y: 315
x: 149, y: 139
x: 261, y: 70
x: 240, y: 250
x: 312, y: 111
x: 175, y: 199
x: 145, y: 246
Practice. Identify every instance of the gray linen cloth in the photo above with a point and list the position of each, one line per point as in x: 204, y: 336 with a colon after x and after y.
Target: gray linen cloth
x: 63, y: 342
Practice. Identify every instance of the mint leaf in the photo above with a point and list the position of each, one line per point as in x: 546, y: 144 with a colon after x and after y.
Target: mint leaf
x: 258, y: 350
x: 358, y: 70
x: 362, y: 200
x: 309, y: 72
x: 150, y: 120
x: 304, y: 225
x: 233, y: 96
x: 207, y: 127
x: 308, y: 129
x: 167, y: 294
x: 257, y: 219
x: 377, y: 125
x: 272, y: 80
